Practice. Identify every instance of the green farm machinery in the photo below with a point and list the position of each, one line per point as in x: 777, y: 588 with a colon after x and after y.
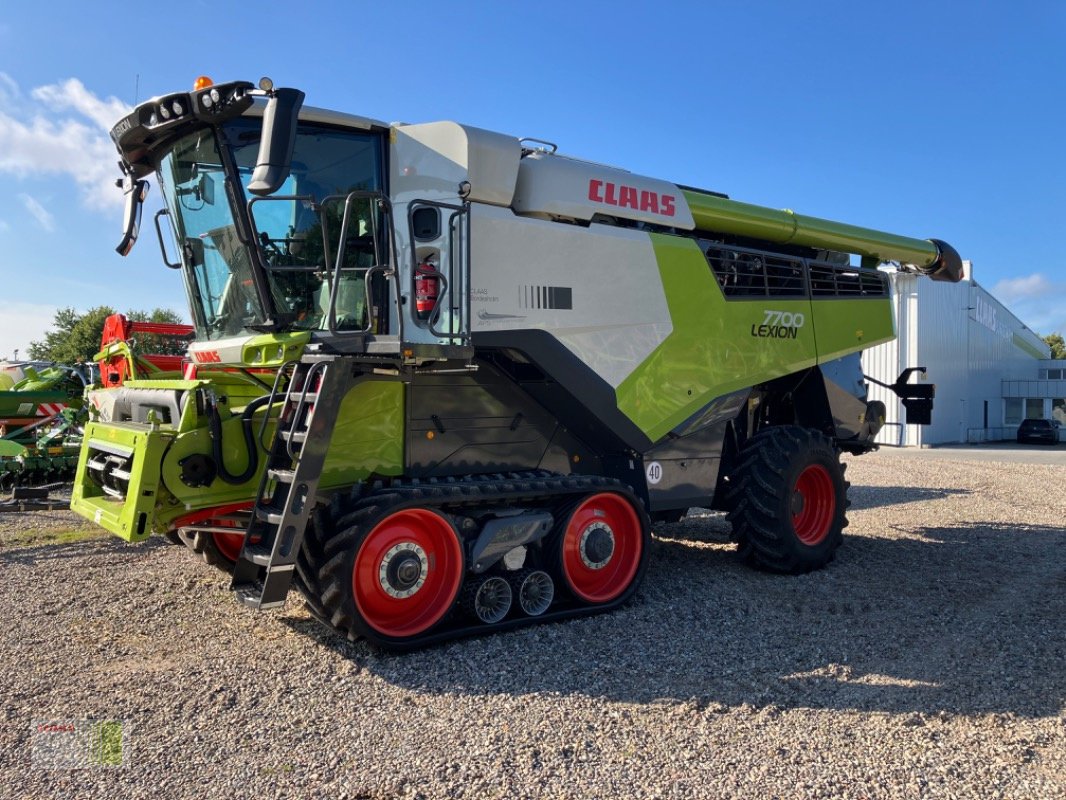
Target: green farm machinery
x: 445, y: 380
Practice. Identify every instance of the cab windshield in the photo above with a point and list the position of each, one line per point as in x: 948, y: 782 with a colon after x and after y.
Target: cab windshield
x: 297, y: 229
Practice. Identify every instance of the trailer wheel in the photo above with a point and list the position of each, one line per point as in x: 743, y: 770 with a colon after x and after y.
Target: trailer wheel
x: 601, y: 547
x: 392, y: 579
x: 788, y: 498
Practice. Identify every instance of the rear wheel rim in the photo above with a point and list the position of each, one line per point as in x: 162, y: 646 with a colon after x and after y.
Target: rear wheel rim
x: 407, y: 573
x: 601, y: 548
x: 813, y: 505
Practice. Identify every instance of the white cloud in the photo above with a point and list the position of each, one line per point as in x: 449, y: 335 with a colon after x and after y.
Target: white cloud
x: 24, y: 323
x: 1010, y: 290
x: 72, y: 94
x: 1036, y: 300
x: 38, y: 212
x: 61, y: 129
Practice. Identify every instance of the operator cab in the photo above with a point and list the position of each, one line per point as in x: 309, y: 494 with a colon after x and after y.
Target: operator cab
x: 267, y: 242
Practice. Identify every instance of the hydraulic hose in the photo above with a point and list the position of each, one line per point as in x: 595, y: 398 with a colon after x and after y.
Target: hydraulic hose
x: 214, y: 429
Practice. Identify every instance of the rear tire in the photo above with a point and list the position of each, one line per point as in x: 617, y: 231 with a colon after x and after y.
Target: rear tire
x: 788, y: 498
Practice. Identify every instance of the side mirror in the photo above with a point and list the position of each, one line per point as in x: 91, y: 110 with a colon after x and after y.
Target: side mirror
x: 135, y: 191
x: 279, y: 139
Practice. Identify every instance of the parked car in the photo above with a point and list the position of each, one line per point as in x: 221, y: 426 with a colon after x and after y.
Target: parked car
x: 1039, y: 431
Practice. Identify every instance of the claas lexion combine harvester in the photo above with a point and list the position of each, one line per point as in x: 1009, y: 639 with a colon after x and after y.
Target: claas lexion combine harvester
x: 444, y: 380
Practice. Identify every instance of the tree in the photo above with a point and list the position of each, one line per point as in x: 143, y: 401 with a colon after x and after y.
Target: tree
x: 75, y: 337
x: 1057, y: 345
x: 152, y: 343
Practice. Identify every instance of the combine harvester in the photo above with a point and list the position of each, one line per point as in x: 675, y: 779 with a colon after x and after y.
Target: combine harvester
x: 445, y: 379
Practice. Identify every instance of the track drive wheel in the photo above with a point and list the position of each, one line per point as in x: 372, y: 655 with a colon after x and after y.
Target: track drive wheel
x: 602, y: 547
x: 390, y: 577
x: 788, y: 498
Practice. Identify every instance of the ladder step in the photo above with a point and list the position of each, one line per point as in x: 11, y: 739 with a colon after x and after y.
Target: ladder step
x: 294, y: 436
x: 308, y: 399
x: 268, y: 514
x: 282, y: 475
x: 255, y: 595
x: 258, y: 554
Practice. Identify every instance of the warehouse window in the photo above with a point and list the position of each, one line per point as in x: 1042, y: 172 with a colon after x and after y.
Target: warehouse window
x: 1012, y: 411
x: 1034, y: 408
x: 1058, y: 409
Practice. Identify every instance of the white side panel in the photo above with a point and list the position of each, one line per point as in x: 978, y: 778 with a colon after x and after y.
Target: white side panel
x: 430, y: 161
x: 553, y: 186
x: 522, y: 267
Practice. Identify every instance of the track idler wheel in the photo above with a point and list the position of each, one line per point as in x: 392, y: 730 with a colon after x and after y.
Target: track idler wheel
x: 534, y: 590
x: 488, y: 598
x: 602, y: 547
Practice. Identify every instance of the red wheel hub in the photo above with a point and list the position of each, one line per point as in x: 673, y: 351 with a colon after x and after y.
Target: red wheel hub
x: 601, y: 548
x: 229, y: 544
x: 407, y: 572
x: 813, y: 504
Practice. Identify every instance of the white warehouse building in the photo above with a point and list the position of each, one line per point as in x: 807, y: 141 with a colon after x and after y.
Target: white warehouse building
x: 990, y: 370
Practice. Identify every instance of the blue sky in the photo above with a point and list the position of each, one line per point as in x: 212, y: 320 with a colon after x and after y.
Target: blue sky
x: 929, y: 119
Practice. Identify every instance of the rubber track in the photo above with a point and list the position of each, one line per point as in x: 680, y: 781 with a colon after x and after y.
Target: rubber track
x: 321, y: 565
x: 762, y: 537
x: 204, y: 545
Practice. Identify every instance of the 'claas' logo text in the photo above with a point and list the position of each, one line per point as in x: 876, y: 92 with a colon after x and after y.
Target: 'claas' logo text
x: 614, y: 194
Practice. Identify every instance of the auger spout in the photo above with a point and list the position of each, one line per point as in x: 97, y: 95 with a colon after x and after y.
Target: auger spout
x: 930, y: 257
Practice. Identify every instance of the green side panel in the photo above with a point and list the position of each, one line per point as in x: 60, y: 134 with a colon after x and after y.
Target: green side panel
x: 367, y: 439
x: 845, y: 326
x: 23, y: 404
x: 10, y: 449
x: 716, y: 347
x: 720, y: 214
x: 130, y: 517
x: 369, y: 435
x: 234, y: 456
x: 274, y: 349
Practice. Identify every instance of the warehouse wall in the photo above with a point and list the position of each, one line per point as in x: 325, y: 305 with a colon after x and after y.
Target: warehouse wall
x: 970, y: 344
x: 886, y: 361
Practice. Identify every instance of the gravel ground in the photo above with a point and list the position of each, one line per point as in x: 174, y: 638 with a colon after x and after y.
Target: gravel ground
x: 929, y: 660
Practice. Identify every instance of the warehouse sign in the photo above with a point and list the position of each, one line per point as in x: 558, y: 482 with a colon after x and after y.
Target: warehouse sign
x: 985, y: 314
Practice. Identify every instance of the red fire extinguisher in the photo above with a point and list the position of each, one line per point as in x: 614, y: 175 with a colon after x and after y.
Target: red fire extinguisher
x: 427, y: 287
